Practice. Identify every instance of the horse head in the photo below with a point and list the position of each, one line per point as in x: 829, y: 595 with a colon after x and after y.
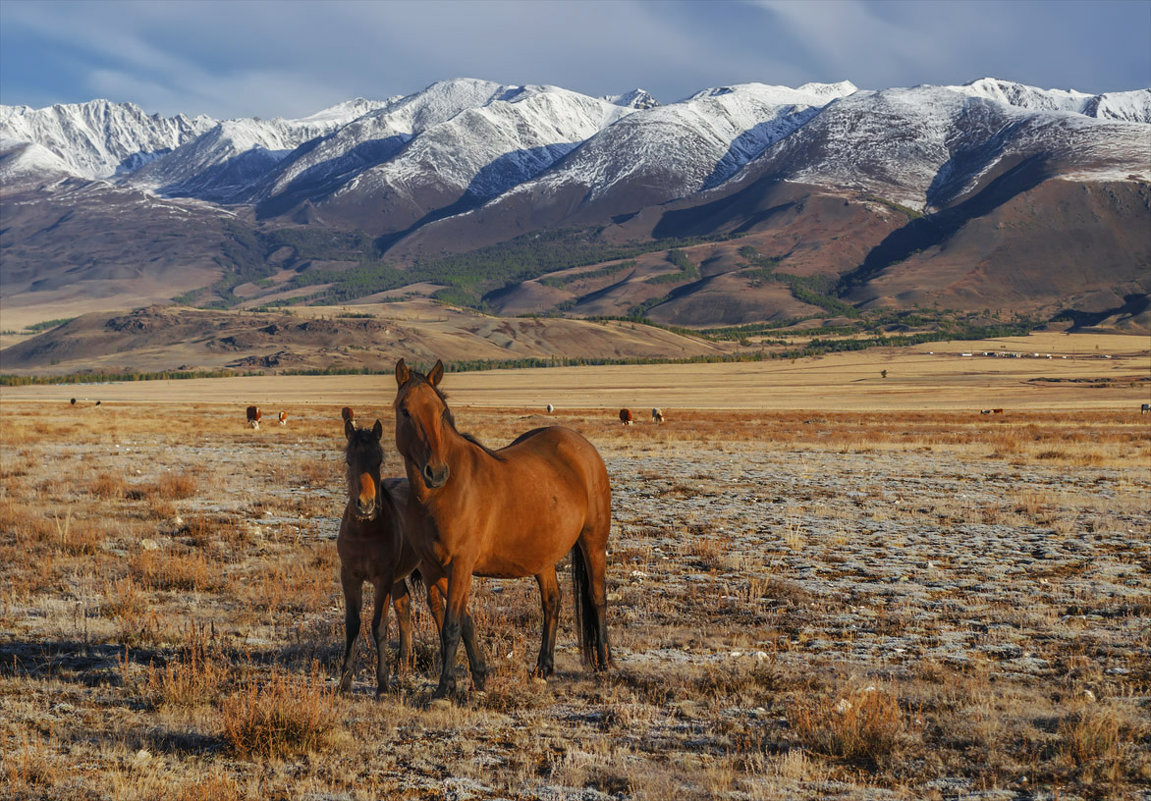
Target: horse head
x: 364, y: 455
x: 422, y: 421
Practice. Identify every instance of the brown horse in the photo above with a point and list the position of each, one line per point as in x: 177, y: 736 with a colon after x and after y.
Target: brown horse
x: 372, y: 548
x: 506, y: 514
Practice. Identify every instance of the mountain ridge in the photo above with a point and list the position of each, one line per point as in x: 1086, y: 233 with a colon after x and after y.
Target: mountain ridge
x: 370, y: 196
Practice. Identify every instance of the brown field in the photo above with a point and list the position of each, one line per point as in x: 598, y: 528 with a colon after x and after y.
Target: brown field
x: 1086, y: 371
x: 903, y: 600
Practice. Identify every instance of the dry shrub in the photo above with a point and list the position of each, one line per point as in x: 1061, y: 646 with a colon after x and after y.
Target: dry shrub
x: 863, y: 727
x: 29, y: 770
x: 282, y: 716
x: 165, y: 570
x: 124, y: 602
x: 197, y: 676
x: 176, y: 487
x: 1091, y: 739
x: 109, y: 486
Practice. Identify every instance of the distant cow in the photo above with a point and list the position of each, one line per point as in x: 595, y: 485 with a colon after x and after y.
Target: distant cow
x: 625, y: 416
x: 985, y: 411
x: 657, y: 415
x: 347, y: 413
x: 283, y: 418
x: 997, y: 411
x: 1145, y: 408
x: 550, y: 408
x: 254, y: 416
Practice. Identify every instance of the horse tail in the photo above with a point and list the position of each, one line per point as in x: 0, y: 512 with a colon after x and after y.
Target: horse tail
x: 587, y: 622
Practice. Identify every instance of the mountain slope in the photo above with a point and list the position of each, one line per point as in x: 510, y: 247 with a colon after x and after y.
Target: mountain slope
x: 740, y: 204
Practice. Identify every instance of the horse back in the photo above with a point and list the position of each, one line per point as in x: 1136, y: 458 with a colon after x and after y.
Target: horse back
x: 564, y: 462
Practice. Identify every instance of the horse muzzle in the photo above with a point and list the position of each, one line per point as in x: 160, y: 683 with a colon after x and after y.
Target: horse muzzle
x: 366, y: 505
x: 435, y: 477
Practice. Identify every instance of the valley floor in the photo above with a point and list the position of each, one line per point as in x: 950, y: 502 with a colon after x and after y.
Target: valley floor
x: 803, y: 605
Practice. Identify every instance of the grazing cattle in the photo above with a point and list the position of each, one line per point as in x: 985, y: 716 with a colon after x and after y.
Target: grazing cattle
x: 1145, y: 408
x: 985, y: 411
x: 347, y: 414
x: 73, y: 402
x: 551, y: 408
x: 657, y: 415
x: 997, y: 411
x: 505, y: 514
x: 254, y: 416
x: 373, y: 548
x: 283, y: 418
x: 625, y: 416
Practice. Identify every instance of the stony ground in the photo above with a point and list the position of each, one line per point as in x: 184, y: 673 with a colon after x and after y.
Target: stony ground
x: 833, y: 606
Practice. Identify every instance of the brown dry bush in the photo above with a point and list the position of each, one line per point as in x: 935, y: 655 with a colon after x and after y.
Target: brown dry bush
x: 168, y: 570
x: 279, y: 717
x: 1099, y: 744
x: 863, y: 727
x: 198, y: 675
x: 109, y: 486
x: 176, y: 486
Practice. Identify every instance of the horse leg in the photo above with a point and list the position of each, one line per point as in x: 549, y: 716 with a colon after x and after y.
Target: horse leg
x: 459, y: 585
x: 402, y: 603
x: 380, y: 632
x: 550, y: 600
x: 353, y: 598
x: 475, y: 655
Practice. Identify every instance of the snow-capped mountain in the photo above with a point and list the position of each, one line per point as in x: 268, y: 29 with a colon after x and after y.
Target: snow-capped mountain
x: 466, y: 163
x: 927, y: 146
x: 98, y: 139
x: 222, y: 162
x: 457, y: 142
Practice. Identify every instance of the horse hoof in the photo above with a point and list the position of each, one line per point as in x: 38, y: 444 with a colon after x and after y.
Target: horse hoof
x: 439, y: 703
x: 539, y: 681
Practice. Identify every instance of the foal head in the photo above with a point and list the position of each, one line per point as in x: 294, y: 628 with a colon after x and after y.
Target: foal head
x: 364, y: 455
x: 422, y: 420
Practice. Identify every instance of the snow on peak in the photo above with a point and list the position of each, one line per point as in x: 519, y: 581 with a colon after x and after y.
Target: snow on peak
x: 1133, y: 106
x: 636, y: 98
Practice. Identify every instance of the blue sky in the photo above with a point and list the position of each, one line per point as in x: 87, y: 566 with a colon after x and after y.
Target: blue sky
x: 293, y: 57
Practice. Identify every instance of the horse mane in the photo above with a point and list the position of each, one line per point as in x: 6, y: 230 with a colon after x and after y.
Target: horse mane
x: 451, y: 418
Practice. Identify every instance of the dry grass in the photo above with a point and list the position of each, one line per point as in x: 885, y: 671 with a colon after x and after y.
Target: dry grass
x: 803, y: 605
x: 279, y: 716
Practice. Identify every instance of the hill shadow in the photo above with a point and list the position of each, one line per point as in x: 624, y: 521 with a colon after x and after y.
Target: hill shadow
x: 928, y: 231
x: 492, y: 180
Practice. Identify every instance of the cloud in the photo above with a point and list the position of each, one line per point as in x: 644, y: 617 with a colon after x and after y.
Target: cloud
x: 291, y: 58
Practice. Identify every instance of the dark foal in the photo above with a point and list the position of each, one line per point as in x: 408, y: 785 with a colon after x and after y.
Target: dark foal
x: 372, y: 548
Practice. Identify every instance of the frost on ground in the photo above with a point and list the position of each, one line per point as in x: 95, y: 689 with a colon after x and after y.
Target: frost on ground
x: 849, y: 606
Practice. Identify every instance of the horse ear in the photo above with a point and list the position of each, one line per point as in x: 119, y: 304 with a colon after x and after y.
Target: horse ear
x: 402, y: 373
x: 378, y: 430
x: 349, y: 429
x: 436, y: 373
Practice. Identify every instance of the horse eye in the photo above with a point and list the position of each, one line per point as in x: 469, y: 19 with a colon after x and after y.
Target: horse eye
x: 404, y: 412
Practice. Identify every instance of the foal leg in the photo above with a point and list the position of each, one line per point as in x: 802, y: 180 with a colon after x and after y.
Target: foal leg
x: 550, y: 599
x: 353, y: 599
x: 402, y: 603
x: 380, y: 632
